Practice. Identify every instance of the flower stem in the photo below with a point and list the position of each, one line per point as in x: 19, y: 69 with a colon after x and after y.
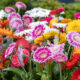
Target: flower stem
x: 30, y: 69
x: 2, y: 74
x: 60, y: 72
x: 69, y: 51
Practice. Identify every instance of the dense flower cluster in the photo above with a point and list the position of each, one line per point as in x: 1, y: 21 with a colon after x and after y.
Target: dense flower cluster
x: 39, y: 44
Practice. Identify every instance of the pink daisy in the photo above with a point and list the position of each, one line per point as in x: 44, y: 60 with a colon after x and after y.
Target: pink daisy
x: 38, y: 31
x: 20, y: 5
x: 59, y: 57
x: 17, y: 24
x: 10, y: 9
x: 13, y: 15
x: 77, y: 15
x: 74, y: 39
x: 27, y: 20
x: 10, y: 50
x: 56, y: 48
x: 42, y: 54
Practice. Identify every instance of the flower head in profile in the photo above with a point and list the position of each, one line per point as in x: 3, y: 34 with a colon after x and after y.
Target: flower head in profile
x: 10, y: 50
x: 20, y: 5
x: 59, y: 58
x: 74, y: 39
x: 10, y: 9
x: 38, y: 31
x: 13, y: 15
x: 17, y: 24
x: 77, y: 15
x: 42, y: 54
x: 56, y: 48
x: 76, y: 75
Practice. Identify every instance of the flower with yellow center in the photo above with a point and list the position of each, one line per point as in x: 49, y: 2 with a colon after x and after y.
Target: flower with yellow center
x: 51, y: 23
x: 73, y: 26
x: 66, y: 20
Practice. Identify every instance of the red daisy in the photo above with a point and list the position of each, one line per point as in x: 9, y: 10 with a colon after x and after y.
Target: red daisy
x: 76, y: 75
x: 72, y: 62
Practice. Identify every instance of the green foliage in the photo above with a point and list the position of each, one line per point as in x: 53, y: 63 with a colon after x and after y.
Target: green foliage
x: 4, y: 3
x: 48, y: 4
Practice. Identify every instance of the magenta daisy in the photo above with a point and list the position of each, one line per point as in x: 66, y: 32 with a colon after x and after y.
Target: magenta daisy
x: 10, y: 9
x: 38, y: 31
x: 56, y: 48
x: 59, y: 58
x: 74, y: 39
x: 20, y: 5
x: 10, y: 50
x: 27, y: 19
x: 13, y: 15
x: 17, y: 24
x: 42, y: 54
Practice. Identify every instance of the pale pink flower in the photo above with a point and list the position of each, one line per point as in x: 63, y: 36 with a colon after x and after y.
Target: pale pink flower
x: 20, y: 5
x: 10, y: 50
x: 10, y: 9
x: 59, y: 58
x: 42, y: 54
x: 56, y: 48
x: 17, y: 24
x: 13, y: 15
x: 74, y: 39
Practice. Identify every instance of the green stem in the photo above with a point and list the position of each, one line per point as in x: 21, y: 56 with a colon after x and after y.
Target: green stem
x: 30, y: 69
x: 2, y: 74
x: 18, y: 10
x: 59, y: 33
x: 60, y: 72
x: 69, y: 51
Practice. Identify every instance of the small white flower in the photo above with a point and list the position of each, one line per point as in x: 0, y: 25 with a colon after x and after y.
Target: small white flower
x: 59, y: 25
x: 38, y: 12
x: 3, y: 14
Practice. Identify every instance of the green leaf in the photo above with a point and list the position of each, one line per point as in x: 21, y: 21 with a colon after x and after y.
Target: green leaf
x: 22, y: 74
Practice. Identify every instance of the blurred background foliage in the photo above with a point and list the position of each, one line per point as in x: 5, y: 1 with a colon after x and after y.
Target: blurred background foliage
x: 70, y: 8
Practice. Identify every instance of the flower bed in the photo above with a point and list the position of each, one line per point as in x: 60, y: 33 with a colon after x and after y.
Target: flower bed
x: 39, y: 45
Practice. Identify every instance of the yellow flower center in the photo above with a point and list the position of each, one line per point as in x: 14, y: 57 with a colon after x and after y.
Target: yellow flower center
x: 60, y: 59
x: 27, y: 20
x: 43, y: 55
x: 77, y: 38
